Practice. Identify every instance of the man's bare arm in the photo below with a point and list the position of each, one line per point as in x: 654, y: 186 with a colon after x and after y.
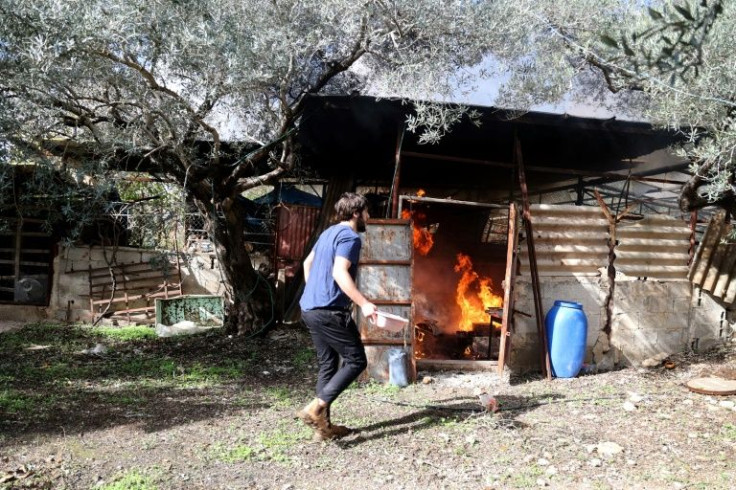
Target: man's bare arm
x: 307, y: 264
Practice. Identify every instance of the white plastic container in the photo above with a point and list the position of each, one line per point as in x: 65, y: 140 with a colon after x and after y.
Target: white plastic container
x: 389, y: 321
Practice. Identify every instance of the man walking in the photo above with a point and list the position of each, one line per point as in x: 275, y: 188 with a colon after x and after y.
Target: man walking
x: 329, y: 272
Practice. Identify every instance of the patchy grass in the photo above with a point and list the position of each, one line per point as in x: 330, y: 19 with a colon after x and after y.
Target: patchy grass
x: 132, y: 480
x: 280, y: 396
x: 374, y: 388
x: 729, y: 432
x: 12, y: 401
x: 236, y: 454
x: 275, y: 445
x: 304, y: 358
x: 44, y: 364
x: 130, y: 333
x: 201, y: 412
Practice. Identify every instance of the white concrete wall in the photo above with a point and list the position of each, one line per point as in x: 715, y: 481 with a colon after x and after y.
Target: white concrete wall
x: 648, y: 317
x: 591, y: 292
x: 70, y: 288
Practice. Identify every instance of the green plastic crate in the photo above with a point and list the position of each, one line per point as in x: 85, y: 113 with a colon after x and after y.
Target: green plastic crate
x: 204, y: 310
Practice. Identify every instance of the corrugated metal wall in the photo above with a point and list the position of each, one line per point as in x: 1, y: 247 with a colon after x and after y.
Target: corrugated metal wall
x: 714, y: 264
x: 655, y: 247
x: 573, y: 241
x: 569, y: 240
x: 295, y: 227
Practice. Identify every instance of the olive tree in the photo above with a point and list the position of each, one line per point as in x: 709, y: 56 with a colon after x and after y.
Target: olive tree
x: 675, y: 59
x: 208, y: 94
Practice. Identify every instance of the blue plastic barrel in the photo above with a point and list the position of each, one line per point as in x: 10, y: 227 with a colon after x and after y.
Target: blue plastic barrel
x: 567, y: 330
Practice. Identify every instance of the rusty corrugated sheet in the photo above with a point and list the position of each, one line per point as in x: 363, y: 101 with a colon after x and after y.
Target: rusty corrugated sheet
x: 655, y: 247
x: 385, y: 278
x: 569, y: 240
x: 295, y: 227
x: 714, y: 264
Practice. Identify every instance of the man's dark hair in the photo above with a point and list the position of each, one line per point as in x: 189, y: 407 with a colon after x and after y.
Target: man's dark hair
x: 348, y: 204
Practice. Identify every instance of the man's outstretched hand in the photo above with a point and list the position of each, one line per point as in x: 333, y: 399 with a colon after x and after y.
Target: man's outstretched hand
x: 369, y: 311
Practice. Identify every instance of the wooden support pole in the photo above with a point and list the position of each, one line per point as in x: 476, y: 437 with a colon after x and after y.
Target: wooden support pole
x: 527, y: 218
x: 693, y: 229
x: 397, y: 172
x: 508, y: 292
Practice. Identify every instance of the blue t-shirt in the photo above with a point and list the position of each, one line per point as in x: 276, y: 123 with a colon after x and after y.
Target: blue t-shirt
x: 321, y: 290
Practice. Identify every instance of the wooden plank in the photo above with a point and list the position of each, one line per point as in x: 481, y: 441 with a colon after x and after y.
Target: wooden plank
x: 132, y: 269
x: 452, y: 201
x: 711, y: 277
x: 728, y: 268
x: 133, y: 278
x: 508, y: 296
x: 28, y: 263
x: 141, y: 289
x: 28, y: 250
x: 129, y: 299
x: 730, y: 295
x: 705, y: 250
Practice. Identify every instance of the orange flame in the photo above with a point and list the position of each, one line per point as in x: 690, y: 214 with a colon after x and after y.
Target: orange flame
x: 421, y: 193
x: 473, y: 303
x: 423, y: 239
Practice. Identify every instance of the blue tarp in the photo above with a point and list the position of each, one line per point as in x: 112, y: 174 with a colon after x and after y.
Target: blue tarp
x: 289, y: 195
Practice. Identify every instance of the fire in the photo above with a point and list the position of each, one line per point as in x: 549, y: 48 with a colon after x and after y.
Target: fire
x: 473, y: 301
x: 423, y: 239
x: 421, y: 193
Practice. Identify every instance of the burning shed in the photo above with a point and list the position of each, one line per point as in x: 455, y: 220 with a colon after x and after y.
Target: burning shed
x: 450, y: 252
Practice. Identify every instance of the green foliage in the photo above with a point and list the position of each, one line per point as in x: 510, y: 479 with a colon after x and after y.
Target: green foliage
x: 682, y: 54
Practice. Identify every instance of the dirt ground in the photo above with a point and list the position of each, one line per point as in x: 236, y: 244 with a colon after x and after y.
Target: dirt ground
x: 215, y: 412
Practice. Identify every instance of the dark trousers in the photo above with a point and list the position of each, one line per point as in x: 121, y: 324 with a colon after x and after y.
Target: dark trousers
x: 335, y: 335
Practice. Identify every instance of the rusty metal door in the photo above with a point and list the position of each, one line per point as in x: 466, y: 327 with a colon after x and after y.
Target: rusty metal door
x: 385, y: 277
x: 508, y: 293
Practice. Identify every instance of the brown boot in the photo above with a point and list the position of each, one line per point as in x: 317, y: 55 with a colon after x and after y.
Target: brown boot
x: 315, y: 415
x: 333, y: 432
x: 336, y: 431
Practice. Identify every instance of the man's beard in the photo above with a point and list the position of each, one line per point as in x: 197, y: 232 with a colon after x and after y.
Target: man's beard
x: 360, y: 225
